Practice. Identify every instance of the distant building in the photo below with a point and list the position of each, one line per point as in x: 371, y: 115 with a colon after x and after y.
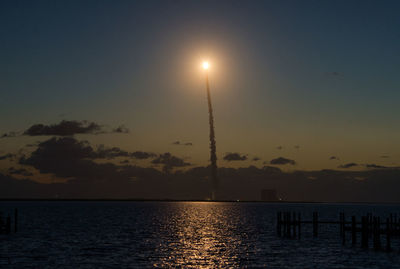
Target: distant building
x: 269, y: 195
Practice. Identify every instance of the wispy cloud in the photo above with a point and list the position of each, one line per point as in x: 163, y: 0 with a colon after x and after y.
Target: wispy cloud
x: 179, y: 143
x: 234, y: 156
x: 347, y: 165
x: 282, y: 161
x: 169, y: 161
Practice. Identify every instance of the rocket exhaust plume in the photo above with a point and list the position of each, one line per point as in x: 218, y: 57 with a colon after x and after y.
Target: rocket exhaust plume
x: 213, y: 147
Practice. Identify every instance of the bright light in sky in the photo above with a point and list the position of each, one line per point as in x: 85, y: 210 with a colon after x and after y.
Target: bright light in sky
x: 206, y: 65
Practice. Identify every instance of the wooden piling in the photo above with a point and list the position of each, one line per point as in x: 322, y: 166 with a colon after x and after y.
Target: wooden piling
x: 364, y: 232
x: 353, y: 230
x: 341, y: 223
x: 288, y: 226
x: 294, y: 224
x: 8, y: 224
x: 15, y: 220
x: 315, y: 224
x: 299, y: 226
x: 344, y: 232
x: 376, y: 234
x: 388, y: 234
x: 279, y: 223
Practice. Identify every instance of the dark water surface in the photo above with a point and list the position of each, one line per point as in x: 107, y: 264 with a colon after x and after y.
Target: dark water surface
x: 181, y: 234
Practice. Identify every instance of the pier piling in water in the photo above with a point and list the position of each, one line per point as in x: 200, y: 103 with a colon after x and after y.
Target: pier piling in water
x: 369, y: 226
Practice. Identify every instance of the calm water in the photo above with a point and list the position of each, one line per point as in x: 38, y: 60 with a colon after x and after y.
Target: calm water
x: 180, y: 234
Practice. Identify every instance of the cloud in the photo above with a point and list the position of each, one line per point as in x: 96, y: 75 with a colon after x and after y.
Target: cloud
x: 9, y: 134
x: 64, y: 128
x: 234, y: 156
x: 178, y: 143
x: 66, y: 157
x: 169, y: 161
x: 121, y: 129
x: 347, y: 165
x: 256, y: 159
x: 333, y: 158
x: 375, y: 166
x: 279, y: 147
x: 21, y: 172
x: 297, y: 147
x: 385, y: 157
x: 7, y: 156
x: 68, y: 128
x: 282, y: 161
x: 142, y: 155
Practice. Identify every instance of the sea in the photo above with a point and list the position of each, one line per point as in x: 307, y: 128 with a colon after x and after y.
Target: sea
x: 144, y: 234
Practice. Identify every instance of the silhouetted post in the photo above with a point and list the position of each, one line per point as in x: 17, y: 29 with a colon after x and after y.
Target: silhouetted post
x: 388, y: 247
x: 284, y: 223
x: 341, y: 223
x: 279, y: 223
x: 344, y: 230
x: 364, y: 232
x: 370, y: 224
x: 1, y: 222
x: 294, y: 224
x: 353, y: 230
x: 15, y: 220
x: 315, y: 224
x: 299, y: 226
x: 8, y: 224
x: 288, y: 227
x: 376, y: 234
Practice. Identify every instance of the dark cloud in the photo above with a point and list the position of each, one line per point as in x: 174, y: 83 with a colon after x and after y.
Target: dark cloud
x: 385, y: 157
x: 178, y: 143
x: 66, y: 157
x: 271, y: 169
x: 169, y: 161
x: 234, y: 156
x: 297, y: 147
x: 375, y: 166
x: 70, y: 128
x: 21, y: 172
x: 7, y: 156
x: 121, y: 129
x: 282, y: 161
x: 255, y: 159
x: 110, y: 153
x: 279, y: 147
x: 64, y: 128
x: 333, y: 158
x: 142, y: 155
x: 9, y: 134
x: 347, y: 165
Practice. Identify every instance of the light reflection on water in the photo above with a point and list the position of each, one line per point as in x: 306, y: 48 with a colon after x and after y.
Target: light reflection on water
x: 180, y: 234
x: 201, y: 235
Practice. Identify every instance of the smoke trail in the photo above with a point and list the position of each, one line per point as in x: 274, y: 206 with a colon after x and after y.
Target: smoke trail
x: 213, y: 147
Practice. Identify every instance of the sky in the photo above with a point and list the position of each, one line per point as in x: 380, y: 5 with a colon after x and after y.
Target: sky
x: 311, y: 82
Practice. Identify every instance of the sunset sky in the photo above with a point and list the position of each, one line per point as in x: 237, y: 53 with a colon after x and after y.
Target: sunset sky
x: 303, y: 80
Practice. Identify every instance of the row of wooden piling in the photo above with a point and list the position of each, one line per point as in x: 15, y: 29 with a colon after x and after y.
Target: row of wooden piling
x: 371, y: 226
x: 289, y: 225
x: 5, y: 223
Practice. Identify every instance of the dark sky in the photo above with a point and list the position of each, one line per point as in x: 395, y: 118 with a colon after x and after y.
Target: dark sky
x: 310, y: 82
